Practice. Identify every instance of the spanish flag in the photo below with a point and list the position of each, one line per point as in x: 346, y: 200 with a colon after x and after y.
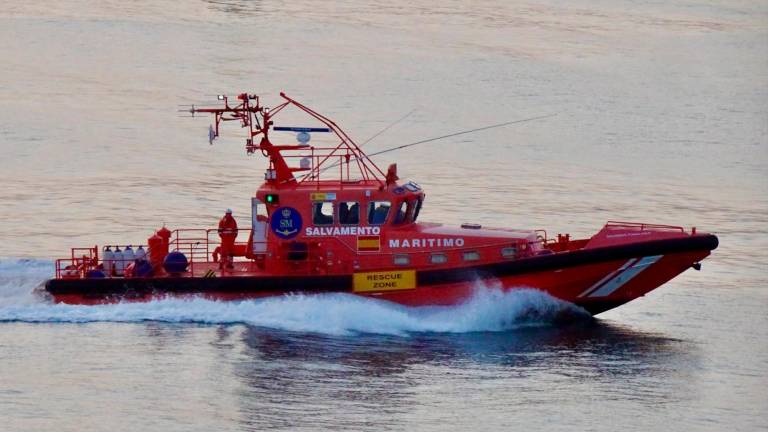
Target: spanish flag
x: 369, y: 243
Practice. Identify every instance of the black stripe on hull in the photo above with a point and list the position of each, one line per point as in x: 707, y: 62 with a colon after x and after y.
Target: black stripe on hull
x: 136, y: 287
x: 105, y: 288
x: 571, y: 259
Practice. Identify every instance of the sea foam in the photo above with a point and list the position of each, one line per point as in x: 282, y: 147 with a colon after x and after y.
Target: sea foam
x: 489, y: 309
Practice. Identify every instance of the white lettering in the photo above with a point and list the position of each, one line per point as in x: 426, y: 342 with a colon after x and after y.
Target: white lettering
x: 342, y: 231
x: 431, y: 243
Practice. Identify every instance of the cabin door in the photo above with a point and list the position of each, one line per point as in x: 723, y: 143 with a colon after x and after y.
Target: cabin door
x: 259, y: 226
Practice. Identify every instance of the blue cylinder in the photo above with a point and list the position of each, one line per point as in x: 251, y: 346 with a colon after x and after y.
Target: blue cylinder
x: 95, y: 274
x: 175, y: 262
x: 142, y: 268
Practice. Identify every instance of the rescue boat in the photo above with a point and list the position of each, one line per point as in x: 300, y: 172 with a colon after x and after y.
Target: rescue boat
x: 328, y: 219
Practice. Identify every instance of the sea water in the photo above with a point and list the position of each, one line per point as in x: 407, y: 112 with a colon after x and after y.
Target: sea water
x: 660, y: 115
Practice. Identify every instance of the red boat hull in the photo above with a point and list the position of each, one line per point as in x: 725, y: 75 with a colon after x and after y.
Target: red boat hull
x: 596, y: 279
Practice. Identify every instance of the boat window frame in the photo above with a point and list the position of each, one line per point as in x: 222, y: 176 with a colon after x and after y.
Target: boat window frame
x: 509, y: 252
x: 354, y: 203
x: 474, y: 253
x: 405, y: 259
x: 411, y: 211
x: 436, y: 254
x: 417, y: 210
x: 372, y: 209
x: 314, y: 215
x: 397, y: 220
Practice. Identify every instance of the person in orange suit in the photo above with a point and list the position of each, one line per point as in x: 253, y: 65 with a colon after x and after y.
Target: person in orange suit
x: 228, y: 234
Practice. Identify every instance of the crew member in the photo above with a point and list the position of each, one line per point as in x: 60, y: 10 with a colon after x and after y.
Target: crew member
x: 228, y: 234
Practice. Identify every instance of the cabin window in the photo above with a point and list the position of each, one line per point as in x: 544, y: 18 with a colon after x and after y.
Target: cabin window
x: 378, y: 212
x: 438, y: 258
x: 412, y: 205
x: 401, y: 259
x: 322, y: 213
x: 349, y: 213
x: 509, y: 252
x: 470, y: 256
x: 401, y: 214
x: 418, y: 208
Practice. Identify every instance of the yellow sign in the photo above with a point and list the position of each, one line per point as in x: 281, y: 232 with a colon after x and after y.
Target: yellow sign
x: 322, y: 196
x: 384, y: 281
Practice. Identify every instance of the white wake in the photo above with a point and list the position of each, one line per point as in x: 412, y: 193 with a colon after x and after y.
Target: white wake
x: 490, y: 309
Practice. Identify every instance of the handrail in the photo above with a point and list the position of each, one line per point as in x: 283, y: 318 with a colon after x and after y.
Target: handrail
x: 78, y: 266
x: 198, y: 245
x: 200, y: 248
x: 643, y: 226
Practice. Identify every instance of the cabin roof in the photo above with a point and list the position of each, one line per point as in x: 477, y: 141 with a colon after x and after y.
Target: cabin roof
x: 324, y: 185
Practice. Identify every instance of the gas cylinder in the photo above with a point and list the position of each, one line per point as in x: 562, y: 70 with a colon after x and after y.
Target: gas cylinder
x: 119, y: 262
x: 156, y: 251
x: 128, y: 255
x: 141, y: 253
x: 108, y: 261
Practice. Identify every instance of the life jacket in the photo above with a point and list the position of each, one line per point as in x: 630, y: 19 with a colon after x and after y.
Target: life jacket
x: 228, y: 226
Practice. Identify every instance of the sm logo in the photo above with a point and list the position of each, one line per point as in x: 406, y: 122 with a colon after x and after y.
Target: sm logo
x: 286, y: 222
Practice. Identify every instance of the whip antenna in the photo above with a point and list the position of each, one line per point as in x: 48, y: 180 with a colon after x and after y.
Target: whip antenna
x: 493, y: 126
x: 400, y: 147
x: 389, y: 127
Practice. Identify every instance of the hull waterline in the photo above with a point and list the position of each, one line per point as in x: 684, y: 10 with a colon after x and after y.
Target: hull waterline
x: 596, y: 279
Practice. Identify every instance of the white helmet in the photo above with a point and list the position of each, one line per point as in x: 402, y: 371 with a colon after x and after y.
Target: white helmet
x: 229, y: 211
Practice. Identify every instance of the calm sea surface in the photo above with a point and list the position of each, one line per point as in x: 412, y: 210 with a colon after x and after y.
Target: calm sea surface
x: 662, y: 116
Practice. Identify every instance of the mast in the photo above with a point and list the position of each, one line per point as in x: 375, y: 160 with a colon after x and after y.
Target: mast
x: 258, y: 120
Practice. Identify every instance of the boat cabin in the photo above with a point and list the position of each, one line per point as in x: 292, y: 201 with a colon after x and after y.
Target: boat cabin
x: 326, y: 208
